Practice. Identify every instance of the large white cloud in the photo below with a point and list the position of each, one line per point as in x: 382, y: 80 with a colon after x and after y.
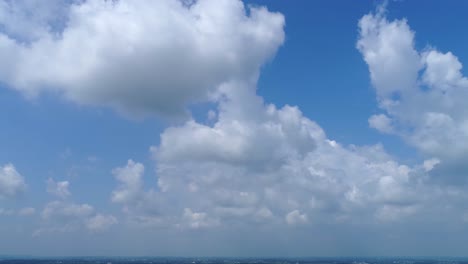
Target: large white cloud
x: 11, y: 182
x: 252, y: 162
x: 423, y: 93
x: 139, y: 57
x: 257, y: 163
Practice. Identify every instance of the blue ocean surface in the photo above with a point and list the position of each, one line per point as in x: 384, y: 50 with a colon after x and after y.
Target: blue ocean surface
x: 173, y: 260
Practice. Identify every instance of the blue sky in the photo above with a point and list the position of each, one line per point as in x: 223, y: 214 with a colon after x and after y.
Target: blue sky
x: 319, y: 128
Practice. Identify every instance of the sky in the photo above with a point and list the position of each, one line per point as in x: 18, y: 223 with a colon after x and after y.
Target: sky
x: 233, y: 128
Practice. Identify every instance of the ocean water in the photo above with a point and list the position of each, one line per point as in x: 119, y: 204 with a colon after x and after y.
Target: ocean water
x: 159, y: 260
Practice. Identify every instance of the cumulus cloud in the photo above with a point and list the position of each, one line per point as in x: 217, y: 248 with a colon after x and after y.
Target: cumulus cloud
x: 280, y: 160
x: 295, y: 217
x: 100, y: 222
x: 59, y: 189
x: 67, y: 216
x: 197, y: 220
x: 381, y: 122
x: 140, y: 57
x: 257, y: 163
x: 11, y: 182
x: 142, y: 206
x: 430, y: 164
x: 254, y: 162
x: 131, y: 182
x: 63, y: 216
x: 423, y: 93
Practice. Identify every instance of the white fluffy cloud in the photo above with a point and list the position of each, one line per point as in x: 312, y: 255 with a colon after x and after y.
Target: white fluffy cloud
x: 197, y: 220
x: 63, y: 216
x: 100, y: 222
x: 295, y: 217
x: 381, y: 122
x: 256, y: 163
x: 66, y: 216
x: 131, y: 182
x: 141, y: 205
x: 252, y: 163
x: 280, y: 160
x: 261, y: 164
x: 423, y: 93
x: 11, y: 182
x: 139, y: 57
x: 59, y: 189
